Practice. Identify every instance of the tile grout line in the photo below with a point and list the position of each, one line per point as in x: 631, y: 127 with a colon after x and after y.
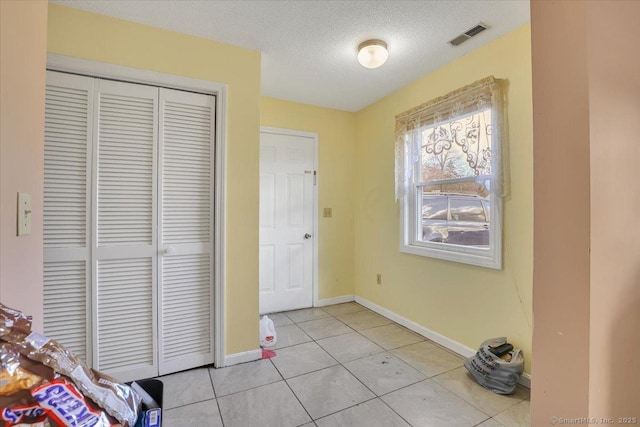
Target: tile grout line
x: 395, y: 412
x: 383, y: 351
x: 349, y: 407
x: 250, y: 388
x: 376, y: 396
x: 216, y: 397
x: 292, y: 392
x: 408, y: 364
x: 471, y: 403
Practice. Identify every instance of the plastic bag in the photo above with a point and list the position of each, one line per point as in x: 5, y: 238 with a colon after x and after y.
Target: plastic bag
x: 498, y: 375
x: 267, y: 332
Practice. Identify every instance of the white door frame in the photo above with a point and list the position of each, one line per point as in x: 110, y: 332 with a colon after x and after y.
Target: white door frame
x: 219, y: 90
x: 314, y: 137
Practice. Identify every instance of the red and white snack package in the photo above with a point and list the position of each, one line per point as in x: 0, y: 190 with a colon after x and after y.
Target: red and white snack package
x: 64, y: 404
x: 23, y: 414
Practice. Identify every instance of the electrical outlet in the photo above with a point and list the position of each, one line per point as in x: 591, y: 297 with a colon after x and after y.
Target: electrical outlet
x: 24, y: 214
x: 327, y: 212
x: 379, y: 279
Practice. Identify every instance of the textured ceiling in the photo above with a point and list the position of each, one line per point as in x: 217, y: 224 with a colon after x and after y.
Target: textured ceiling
x: 309, y: 47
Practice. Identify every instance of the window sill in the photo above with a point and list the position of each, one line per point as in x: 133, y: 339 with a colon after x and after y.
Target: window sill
x: 472, y: 256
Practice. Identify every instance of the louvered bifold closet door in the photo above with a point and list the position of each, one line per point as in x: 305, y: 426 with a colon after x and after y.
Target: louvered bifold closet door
x: 186, y: 230
x: 125, y: 252
x: 67, y: 201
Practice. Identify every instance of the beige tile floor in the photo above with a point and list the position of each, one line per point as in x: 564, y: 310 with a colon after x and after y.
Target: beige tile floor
x: 341, y: 365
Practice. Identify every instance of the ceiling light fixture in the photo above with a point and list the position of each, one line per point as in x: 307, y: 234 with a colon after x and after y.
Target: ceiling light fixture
x: 372, y: 53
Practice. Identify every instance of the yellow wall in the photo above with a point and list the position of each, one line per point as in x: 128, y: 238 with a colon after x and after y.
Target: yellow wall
x: 101, y: 38
x: 465, y: 303
x: 23, y: 41
x: 336, y: 144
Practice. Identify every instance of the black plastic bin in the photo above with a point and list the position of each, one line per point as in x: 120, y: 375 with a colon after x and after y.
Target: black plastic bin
x: 151, y: 417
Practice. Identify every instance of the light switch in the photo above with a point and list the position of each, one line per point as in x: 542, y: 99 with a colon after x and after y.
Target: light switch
x: 327, y: 213
x: 24, y: 214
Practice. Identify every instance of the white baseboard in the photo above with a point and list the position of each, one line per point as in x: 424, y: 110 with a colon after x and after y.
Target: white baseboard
x: 456, y: 347
x: 452, y: 345
x: 335, y: 300
x: 525, y: 380
x: 245, y: 356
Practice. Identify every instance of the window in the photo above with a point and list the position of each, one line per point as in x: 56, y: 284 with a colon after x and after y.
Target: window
x: 449, y: 175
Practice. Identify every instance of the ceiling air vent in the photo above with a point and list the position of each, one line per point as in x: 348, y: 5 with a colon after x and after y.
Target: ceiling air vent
x: 468, y: 34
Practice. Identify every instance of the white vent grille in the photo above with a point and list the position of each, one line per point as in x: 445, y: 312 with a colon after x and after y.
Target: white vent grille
x: 124, y: 313
x: 65, y: 304
x: 125, y: 170
x: 186, y: 174
x: 65, y: 167
x: 472, y: 32
x: 186, y: 305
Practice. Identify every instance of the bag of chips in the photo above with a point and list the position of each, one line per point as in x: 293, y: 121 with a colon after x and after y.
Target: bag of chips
x: 39, y: 378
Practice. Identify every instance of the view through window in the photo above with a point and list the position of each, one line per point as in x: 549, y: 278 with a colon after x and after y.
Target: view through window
x: 455, y: 177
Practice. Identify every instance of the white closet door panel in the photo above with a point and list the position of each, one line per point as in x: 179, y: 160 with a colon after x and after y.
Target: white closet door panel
x: 186, y: 229
x: 125, y: 312
x: 65, y: 304
x: 186, y: 316
x: 125, y: 235
x: 66, y: 210
x: 68, y: 103
x: 126, y: 150
x: 186, y: 168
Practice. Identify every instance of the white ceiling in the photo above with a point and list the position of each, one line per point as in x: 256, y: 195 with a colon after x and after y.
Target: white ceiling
x: 309, y: 47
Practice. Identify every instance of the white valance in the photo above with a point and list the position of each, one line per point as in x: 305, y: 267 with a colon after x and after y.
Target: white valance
x: 468, y: 121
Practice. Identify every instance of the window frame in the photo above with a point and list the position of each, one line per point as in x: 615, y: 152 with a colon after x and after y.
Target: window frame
x: 411, y: 214
x: 490, y: 257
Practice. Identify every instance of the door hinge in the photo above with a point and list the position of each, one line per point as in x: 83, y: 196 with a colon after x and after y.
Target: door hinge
x: 314, y: 177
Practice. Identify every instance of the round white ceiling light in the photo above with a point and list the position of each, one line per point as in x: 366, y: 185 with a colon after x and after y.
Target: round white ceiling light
x: 372, y: 53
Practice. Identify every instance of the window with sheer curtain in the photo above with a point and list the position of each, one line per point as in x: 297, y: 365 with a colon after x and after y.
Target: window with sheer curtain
x: 449, y: 176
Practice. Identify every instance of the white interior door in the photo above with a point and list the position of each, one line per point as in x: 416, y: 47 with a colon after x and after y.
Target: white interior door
x: 287, y: 180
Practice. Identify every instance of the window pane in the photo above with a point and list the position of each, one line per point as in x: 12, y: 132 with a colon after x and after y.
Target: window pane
x: 459, y: 148
x: 434, y: 207
x: 454, y: 214
x: 466, y: 209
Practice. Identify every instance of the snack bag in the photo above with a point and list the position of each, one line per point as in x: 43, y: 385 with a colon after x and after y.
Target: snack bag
x: 118, y: 400
x: 23, y: 414
x: 64, y: 403
x: 13, y: 319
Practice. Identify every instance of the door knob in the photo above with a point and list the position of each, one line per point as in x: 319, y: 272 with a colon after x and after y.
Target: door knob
x: 307, y: 236
x: 169, y: 250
